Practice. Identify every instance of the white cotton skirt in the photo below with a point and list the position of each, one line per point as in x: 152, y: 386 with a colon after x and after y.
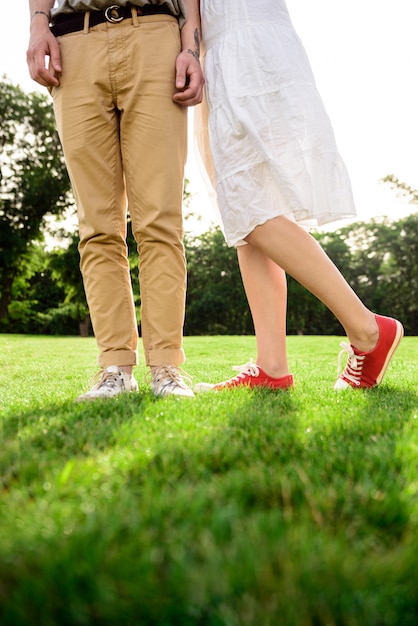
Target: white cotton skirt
x: 263, y: 133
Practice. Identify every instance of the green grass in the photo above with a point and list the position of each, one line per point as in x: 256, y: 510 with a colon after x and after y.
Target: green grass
x: 239, y: 508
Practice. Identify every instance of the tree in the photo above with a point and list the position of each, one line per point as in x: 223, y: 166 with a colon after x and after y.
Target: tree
x: 404, y: 189
x: 64, y: 265
x: 404, y: 292
x: 306, y: 314
x: 33, y: 179
x: 400, y: 273
x: 216, y: 301
x: 370, y: 244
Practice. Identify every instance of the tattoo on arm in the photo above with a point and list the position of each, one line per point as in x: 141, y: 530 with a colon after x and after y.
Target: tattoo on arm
x: 39, y: 13
x: 196, y: 52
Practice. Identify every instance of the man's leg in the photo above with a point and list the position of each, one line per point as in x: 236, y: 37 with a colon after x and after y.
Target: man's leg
x: 89, y: 129
x: 154, y: 144
x: 154, y: 141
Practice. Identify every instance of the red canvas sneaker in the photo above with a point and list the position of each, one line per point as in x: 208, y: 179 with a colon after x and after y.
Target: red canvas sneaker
x: 366, y: 369
x: 250, y: 375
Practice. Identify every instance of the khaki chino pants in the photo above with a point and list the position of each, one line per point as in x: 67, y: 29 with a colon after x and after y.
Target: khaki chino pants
x: 125, y: 140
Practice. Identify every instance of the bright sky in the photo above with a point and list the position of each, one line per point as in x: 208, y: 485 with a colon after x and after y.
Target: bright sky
x: 364, y: 54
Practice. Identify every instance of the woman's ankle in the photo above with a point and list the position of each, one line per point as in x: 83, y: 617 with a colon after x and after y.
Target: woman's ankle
x: 365, y: 339
x: 273, y: 369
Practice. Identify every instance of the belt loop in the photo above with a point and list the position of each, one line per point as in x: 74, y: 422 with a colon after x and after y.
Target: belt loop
x: 86, y: 23
x: 135, y: 21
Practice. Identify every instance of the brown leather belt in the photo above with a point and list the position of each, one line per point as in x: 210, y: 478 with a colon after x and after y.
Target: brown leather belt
x: 66, y: 23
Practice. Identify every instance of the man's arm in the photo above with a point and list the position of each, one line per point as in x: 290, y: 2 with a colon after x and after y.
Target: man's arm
x: 42, y: 43
x: 189, y: 75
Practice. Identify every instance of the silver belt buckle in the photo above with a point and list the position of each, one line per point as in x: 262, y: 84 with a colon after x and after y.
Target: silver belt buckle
x: 112, y: 14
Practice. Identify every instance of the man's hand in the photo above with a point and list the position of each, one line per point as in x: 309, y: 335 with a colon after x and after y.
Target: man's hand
x: 42, y: 44
x: 189, y: 79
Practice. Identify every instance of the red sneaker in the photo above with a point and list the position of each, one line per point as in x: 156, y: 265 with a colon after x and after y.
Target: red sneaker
x: 250, y: 375
x: 366, y: 369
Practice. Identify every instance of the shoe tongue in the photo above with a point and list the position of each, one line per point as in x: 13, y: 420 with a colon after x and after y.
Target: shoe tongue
x: 112, y: 369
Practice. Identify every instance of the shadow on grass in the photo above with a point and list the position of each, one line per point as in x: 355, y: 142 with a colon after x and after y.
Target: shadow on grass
x: 272, y: 512
x: 44, y: 436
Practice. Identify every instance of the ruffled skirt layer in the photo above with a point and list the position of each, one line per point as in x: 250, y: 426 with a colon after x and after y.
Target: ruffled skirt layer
x: 267, y: 143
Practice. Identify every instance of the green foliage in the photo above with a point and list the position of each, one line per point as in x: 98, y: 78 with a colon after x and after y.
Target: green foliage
x: 402, y: 188
x: 383, y: 266
x: 242, y: 508
x: 306, y: 314
x: 379, y: 259
x: 33, y: 179
x: 216, y: 302
x: 64, y: 265
x: 39, y: 303
x: 401, y: 273
x: 42, y: 291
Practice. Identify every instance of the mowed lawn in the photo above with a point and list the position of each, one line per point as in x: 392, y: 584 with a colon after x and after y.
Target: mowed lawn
x: 237, y: 508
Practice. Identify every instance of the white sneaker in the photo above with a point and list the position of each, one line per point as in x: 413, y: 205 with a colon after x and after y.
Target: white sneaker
x: 112, y: 382
x: 167, y: 380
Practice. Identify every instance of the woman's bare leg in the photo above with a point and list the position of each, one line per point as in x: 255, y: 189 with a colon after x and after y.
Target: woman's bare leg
x: 297, y: 252
x: 266, y: 289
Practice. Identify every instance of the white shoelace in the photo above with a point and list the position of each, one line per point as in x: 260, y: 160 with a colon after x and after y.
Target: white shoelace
x: 110, y: 380
x: 167, y: 376
x: 248, y: 369
x: 354, y: 366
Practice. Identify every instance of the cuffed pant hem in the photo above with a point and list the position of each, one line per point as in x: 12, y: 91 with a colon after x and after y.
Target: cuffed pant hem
x: 154, y: 358
x: 123, y: 358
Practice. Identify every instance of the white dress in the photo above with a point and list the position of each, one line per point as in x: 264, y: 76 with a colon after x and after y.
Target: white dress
x: 263, y: 132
